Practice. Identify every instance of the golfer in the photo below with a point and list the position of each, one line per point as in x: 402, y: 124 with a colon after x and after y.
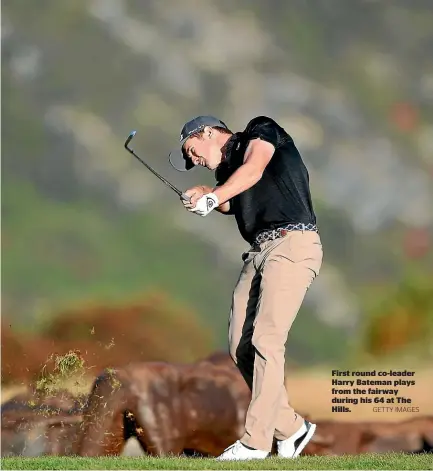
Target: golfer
x: 261, y: 180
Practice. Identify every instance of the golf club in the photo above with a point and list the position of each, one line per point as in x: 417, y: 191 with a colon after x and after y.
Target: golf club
x: 180, y: 193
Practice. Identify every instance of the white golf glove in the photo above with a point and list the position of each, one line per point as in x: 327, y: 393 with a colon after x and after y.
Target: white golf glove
x: 205, y: 204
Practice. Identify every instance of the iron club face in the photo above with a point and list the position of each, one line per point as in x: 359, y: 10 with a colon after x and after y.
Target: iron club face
x: 128, y: 140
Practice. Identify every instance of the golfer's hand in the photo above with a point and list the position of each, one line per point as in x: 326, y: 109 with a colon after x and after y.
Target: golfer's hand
x: 202, y: 200
x: 195, y: 194
x: 206, y: 204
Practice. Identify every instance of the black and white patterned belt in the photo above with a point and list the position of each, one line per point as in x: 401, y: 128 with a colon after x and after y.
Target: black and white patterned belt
x: 282, y: 231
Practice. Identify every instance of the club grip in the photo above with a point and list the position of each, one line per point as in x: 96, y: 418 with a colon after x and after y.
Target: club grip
x: 185, y: 197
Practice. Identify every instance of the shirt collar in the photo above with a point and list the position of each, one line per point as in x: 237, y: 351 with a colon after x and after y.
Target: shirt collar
x: 232, y: 146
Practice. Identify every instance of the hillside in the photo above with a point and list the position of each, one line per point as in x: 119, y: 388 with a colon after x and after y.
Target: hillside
x: 83, y: 222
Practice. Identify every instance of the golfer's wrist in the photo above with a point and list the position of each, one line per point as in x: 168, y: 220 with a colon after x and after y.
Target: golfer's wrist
x: 220, y: 195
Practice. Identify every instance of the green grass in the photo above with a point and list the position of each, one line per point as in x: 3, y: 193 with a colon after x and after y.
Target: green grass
x: 366, y: 461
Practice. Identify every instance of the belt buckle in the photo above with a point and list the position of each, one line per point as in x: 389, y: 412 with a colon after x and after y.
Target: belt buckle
x: 284, y: 232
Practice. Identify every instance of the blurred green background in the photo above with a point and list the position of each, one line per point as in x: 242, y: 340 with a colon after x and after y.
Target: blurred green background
x: 85, y: 224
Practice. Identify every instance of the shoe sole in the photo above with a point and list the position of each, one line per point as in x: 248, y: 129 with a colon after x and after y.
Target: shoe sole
x: 304, y: 442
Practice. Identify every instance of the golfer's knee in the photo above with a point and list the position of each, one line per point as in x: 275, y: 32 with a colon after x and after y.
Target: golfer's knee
x: 236, y: 352
x: 268, y: 344
x: 232, y: 353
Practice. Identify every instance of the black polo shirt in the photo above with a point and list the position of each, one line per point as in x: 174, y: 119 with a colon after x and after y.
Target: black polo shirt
x: 282, y: 195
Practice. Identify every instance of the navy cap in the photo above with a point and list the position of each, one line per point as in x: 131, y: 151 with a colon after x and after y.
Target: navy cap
x: 178, y: 157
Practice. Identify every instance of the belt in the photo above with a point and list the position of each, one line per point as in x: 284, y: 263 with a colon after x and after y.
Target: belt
x: 282, y: 231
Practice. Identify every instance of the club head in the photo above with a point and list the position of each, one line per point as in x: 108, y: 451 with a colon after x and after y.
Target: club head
x: 131, y: 135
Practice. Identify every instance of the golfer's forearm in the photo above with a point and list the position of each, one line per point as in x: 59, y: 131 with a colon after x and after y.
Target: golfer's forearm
x: 224, y: 208
x: 244, y: 178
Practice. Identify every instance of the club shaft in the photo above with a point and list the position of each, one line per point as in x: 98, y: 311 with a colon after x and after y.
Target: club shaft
x: 182, y: 195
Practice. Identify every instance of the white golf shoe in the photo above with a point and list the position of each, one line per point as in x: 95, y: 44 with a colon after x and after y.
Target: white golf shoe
x: 292, y: 446
x: 238, y: 451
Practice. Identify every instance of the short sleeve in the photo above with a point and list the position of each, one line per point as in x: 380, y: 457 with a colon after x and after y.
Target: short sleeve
x: 264, y: 128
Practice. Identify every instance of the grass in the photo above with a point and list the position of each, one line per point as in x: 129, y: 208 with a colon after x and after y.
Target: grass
x: 365, y: 461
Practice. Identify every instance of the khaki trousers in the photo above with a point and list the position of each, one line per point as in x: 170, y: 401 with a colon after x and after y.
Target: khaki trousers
x: 270, y: 290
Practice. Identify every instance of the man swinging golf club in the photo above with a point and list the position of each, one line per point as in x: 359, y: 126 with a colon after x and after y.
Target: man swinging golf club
x: 262, y: 181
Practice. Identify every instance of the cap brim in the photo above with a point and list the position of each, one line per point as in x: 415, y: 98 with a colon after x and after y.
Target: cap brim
x: 180, y: 161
